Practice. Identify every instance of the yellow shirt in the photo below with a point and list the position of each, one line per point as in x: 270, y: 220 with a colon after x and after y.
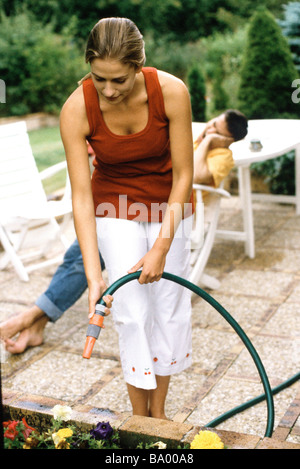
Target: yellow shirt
x: 219, y: 162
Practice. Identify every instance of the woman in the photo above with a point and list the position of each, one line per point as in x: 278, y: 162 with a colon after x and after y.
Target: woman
x: 138, y: 121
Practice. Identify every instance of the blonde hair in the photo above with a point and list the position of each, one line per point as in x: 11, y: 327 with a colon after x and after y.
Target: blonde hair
x: 115, y: 38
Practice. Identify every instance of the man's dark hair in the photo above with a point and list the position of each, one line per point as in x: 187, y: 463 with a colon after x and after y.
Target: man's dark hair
x: 237, y: 124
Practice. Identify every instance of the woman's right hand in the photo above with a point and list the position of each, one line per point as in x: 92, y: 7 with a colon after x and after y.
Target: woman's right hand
x: 96, y: 290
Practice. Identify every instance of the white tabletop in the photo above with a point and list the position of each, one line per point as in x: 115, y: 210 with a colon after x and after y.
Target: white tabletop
x: 277, y: 137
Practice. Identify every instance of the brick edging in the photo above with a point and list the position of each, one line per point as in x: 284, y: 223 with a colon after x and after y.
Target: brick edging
x: 132, y: 429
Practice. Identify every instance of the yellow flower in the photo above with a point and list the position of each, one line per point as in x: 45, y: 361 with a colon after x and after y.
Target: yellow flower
x: 65, y: 432
x: 207, y: 440
x: 59, y: 438
x: 30, y: 443
x: 63, y: 444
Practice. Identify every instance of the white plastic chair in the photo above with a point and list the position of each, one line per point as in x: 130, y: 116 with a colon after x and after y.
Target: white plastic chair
x: 205, y: 227
x: 24, y: 208
x: 204, y: 232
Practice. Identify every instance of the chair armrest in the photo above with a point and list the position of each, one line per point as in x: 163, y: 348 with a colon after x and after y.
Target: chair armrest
x: 215, y: 190
x: 48, y: 172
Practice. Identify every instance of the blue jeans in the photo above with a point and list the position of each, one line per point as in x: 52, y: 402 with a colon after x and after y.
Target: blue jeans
x: 67, y: 285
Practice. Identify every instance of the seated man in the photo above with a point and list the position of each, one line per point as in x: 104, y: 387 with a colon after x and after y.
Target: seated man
x: 212, y: 157
x: 212, y: 163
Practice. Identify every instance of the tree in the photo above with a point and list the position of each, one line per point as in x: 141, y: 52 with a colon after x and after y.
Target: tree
x: 40, y: 68
x: 291, y: 29
x: 219, y: 96
x: 179, y: 20
x: 267, y: 71
x: 196, y: 84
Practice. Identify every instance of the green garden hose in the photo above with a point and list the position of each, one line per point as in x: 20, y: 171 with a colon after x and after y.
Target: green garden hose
x: 252, y: 402
x: 194, y: 288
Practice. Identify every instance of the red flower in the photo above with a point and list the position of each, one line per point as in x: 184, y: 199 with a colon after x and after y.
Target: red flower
x: 28, y: 429
x: 12, y: 431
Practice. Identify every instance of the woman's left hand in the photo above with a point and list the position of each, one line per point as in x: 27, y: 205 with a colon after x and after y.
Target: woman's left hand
x: 152, y: 265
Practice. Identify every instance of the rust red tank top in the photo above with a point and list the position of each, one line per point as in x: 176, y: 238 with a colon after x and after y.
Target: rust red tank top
x: 133, y: 173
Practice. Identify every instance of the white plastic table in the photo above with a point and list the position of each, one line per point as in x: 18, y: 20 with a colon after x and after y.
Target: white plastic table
x: 277, y: 136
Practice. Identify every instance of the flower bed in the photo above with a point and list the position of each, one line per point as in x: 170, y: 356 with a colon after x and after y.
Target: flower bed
x: 19, y: 435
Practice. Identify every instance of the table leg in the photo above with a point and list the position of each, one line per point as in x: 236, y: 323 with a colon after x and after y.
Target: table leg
x: 246, y: 202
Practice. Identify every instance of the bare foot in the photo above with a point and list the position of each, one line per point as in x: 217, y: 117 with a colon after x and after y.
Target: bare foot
x: 15, y: 324
x: 30, y: 337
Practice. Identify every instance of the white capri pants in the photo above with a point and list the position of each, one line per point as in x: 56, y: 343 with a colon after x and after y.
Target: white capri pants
x: 153, y: 320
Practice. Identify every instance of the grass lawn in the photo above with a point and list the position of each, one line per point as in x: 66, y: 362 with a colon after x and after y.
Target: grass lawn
x: 48, y: 150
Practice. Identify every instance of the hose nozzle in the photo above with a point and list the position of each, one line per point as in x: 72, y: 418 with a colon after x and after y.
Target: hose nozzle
x: 93, y: 330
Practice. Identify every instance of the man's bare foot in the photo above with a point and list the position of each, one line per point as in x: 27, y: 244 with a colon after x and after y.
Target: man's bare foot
x: 15, y: 324
x: 30, y: 337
